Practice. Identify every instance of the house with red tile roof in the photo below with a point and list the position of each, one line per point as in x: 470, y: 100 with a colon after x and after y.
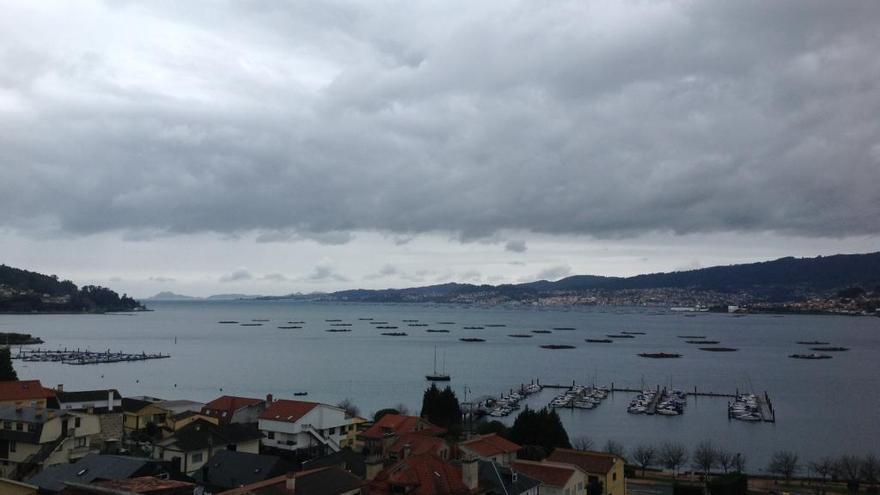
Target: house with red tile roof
x: 233, y: 409
x: 144, y: 485
x: 409, y: 444
x: 293, y: 425
x: 491, y: 447
x: 425, y: 474
x: 383, y: 434
x: 555, y: 479
x: 24, y: 393
x: 321, y: 481
x: 605, y: 472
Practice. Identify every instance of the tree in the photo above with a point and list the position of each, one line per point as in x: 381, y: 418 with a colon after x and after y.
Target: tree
x: 494, y: 426
x: 402, y: 409
x: 383, y: 412
x: 823, y: 467
x: 784, y: 463
x: 725, y: 459
x: 644, y: 456
x: 441, y: 407
x: 582, y: 442
x: 615, y: 448
x: 869, y: 469
x: 673, y: 455
x: 7, y: 371
x: 739, y: 463
x: 542, y: 428
x: 849, y: 467
x: 705, y: 457
x: 350, y: 409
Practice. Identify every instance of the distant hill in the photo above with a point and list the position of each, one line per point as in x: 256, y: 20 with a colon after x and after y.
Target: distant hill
x: 23, y: 291
x: 782, y: 279
x: 227, y: 297
x: 170, y: 296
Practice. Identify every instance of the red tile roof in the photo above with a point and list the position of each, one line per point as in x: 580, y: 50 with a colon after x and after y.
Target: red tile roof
x: 228, y: 403
x: 397, y: 424
x: 423, y: 475
x: 490, y: 445
x: 144, y: 484
x: 591, y: 462
x: 547, y: 474
x: 287, y: 410
x: 24, y: 390
x: 419, y: 444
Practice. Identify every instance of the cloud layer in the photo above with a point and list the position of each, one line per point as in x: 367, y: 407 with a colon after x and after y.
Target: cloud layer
x: 311, y: 121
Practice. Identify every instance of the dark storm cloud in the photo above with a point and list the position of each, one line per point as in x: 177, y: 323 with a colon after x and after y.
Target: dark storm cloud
x: 607, y: 119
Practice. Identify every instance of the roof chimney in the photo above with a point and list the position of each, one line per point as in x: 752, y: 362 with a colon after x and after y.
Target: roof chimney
x: 60, y: 387
x: 268, y: 399
x: 407, y: 450
x: 470, y: 473
x: 290, y: 482
x: 110, y: 401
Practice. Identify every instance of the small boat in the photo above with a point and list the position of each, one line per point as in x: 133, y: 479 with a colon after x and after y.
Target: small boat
x: 707, y: 342
x: 563, y: 328
x: 337, y: 330
x: 438, y: 377
x: 829, y: 349
x: 520, y: 335
x: 394, y: 334
x: 620, y: 336
x: 718, y: 349
x: 251, y: 324
x: 810, y: 356
x: 659, y: 355
x: 541, y: 331
x: 300, y: 394
x: 226, y: 322
x: 812, y: 342
x: 431, y: 330
x: 557, y: 346
x: 471, y: 339
x: 288, y: 327
x: 599, y: 341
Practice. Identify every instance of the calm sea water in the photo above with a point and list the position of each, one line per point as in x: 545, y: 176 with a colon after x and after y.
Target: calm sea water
x: 823, y: 407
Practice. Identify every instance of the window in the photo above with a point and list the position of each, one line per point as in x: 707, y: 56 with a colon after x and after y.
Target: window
x: 19, y: 426
x: 614, y: 476
x: 76, y: 422
x: 270, y: 435
x: 580, y: 486
x: 79, y: 442
x: 333, y: 430
x: 7, y: 425
x: 197, y: 457
x: 12, y: 445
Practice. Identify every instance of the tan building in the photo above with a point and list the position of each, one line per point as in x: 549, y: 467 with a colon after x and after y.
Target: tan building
x: 555, y: 479
x: 490, y: 447
x: 10, y: 487
x: 192, y: 446
x: 24, y: 393
x: 137, y: 414
x: 31, y: 438
x: 605, y: 470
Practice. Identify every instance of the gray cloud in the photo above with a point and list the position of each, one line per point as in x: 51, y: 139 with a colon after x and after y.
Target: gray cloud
x: 237, y: 275
x: 552, y: 273
x: 516, y: 246
x: 275, y: 277
x: 161, y: 279
x: 324, y: 272
x: 313, y: 121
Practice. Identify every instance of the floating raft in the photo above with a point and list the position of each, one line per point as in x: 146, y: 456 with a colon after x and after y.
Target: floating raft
x: 563, y: 328
x: 520, y: 335
x: 78, y: 357
x: 718, y: 349
x: 810, y: 356
x: 812, y: 342
x: 394, y: 334
x: 471, y: 339
x: 288, y: 327
x: 472, y: 328
x: 599, y: 341
x: 541, y: 331
x: 633, y: 333
x: 431, y: 330
x: 707, y: 342
x: 692, y: 336
x: 829, y: 349
x: 620, y: 336
x: 337, y: 330
x: 659, y: 355
x: 251, y: 324
x: 227, y: 322
x: 495, y: 325
x: 557, y: 346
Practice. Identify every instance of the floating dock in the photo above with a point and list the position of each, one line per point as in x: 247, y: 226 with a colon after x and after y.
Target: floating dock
x: 81, y: 357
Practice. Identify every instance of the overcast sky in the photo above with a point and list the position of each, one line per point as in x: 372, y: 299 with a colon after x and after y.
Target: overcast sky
x: 271, y: 147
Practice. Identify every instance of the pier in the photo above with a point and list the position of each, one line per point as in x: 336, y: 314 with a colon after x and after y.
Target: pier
x: 82, y: 357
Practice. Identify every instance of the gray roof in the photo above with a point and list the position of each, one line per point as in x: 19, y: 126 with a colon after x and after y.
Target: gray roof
x: 329, y: 481
x: 345, y: 458
x: 200, y: 434
x: 94, y: 467
x: 497, y: 479
x: 228, y: 469
x: 86, y: 396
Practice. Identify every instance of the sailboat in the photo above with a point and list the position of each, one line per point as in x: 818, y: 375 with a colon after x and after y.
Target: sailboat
x: 438, y: 377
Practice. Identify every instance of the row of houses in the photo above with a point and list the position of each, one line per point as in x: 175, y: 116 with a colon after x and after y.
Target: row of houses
x: 54, y: 441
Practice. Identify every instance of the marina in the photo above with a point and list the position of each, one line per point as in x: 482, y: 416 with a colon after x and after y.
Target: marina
x: 81, y: 357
